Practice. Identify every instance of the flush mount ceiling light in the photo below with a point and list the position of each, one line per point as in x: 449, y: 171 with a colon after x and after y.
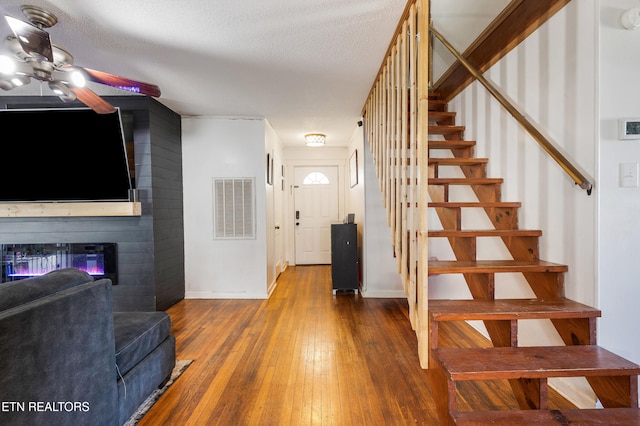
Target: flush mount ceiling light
x: 315, y: 139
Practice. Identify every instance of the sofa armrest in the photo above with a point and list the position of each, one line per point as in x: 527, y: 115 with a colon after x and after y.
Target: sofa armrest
x: 57, y: 359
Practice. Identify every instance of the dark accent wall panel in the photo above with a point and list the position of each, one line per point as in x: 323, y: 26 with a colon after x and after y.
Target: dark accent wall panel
x: 150, y: 247
x: 166, y: 188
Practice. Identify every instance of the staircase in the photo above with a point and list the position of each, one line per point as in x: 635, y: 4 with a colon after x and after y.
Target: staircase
x: 527, y: 369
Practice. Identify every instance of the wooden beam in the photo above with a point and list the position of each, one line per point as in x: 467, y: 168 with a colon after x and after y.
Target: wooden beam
x: 514, y: 24
x: 70, y: 209
x: 423, y: 195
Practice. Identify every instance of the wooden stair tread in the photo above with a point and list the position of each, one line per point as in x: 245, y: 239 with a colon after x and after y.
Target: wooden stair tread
x: 533, y: 362
x: 449, y: 144
x: 475, y: 204
x: 492, y: 266
x: 507, y: 309
x: 441, y: 113
x: 457, y: 161
x: 591, y: 416
x: 465, y: 181
x: 444, y: 129
x: 485, y: 233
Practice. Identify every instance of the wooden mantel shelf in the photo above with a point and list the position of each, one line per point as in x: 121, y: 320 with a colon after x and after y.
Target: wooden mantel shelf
x: 70, y: 209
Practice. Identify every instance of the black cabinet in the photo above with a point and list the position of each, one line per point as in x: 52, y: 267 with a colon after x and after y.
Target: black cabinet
x: 344, y: 256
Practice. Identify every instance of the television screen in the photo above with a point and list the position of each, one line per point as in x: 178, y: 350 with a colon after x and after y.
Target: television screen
x: 62, y: 154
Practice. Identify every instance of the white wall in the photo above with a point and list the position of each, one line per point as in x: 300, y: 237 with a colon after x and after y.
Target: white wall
x: 219, y: 148
x: 380, y: 274
x: 355, y: 195
x: 378, y: 267
x: 619, y: 208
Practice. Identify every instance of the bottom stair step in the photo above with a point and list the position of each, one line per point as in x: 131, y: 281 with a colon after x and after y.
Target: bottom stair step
x: 606, y: 416
x: 500, y: 309
x: 533, y: 362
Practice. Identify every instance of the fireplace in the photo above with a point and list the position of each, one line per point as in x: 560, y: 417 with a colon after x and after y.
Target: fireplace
x: 21, y: 261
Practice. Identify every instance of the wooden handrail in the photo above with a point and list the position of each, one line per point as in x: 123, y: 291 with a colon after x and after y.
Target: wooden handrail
x: 562, y: 161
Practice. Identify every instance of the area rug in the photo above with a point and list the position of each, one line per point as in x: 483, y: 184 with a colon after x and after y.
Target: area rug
x: 181, y: 366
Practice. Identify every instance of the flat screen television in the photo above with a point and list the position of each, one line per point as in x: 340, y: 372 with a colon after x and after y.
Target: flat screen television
x: 62, y: 154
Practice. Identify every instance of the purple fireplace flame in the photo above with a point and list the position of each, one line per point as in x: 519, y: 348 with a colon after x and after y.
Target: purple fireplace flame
x: 29, y: 260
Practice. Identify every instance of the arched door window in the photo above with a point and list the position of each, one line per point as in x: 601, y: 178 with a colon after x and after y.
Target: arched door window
x: 316, y: 178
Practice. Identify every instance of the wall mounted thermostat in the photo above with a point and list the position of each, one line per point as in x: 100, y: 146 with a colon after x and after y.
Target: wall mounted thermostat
x: 629, y: 128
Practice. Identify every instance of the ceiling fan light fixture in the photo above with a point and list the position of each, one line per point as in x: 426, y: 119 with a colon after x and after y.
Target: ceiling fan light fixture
x: 62, y: 91
x: 19, y: 81
x: 12, y: 82
x: 40, y: 59
x: 315, y: 139
x: 77, y: 79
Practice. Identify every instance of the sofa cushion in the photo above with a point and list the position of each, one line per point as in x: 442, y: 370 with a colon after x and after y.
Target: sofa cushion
x: 137, y: 334
x: 19, y: 292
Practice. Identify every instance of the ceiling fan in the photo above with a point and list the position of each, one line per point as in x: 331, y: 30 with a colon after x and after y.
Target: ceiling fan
x: 36, y: 57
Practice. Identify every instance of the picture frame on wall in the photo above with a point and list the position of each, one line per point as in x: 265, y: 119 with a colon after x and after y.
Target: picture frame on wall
x: 353, y: 169
x: 269, y: 169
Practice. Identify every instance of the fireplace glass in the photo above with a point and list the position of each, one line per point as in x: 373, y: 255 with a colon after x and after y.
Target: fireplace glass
x: 21, y: 261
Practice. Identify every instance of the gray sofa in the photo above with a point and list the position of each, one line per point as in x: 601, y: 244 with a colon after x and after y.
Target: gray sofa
x: 67, y: 359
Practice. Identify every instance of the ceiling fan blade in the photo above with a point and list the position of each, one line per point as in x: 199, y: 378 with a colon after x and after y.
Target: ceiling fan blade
x: 92, y: 100
x: 33, y: 40
x: 123, y: 83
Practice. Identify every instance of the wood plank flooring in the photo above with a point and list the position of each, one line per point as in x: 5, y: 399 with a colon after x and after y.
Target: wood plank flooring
x: 307, y: 357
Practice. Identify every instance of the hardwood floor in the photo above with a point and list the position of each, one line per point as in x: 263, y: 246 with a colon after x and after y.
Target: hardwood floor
x: 305, y: 357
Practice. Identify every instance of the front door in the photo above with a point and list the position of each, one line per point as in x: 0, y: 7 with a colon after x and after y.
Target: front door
x: 315, y: 208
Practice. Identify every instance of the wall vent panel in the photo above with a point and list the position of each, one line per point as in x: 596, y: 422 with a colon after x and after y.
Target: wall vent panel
x: 234, y: 208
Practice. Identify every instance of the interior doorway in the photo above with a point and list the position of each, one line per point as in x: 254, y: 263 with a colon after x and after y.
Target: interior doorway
x: 316, y: 206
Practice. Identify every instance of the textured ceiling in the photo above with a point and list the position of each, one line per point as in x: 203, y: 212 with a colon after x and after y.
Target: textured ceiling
x: 306, y: 66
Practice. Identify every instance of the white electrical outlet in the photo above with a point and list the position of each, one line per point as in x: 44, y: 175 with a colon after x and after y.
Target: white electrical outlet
x: 629, y: 175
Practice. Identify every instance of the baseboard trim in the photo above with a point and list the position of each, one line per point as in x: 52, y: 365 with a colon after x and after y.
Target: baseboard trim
x: 382, y: 294
x: 216, y: 295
